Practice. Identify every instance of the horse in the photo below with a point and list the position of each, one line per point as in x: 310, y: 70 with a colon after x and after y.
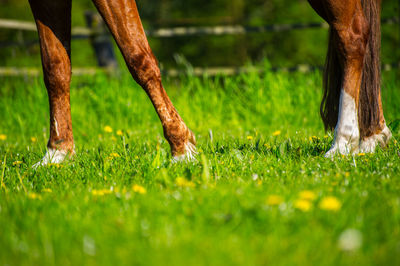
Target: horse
x: 351, y: 103
x: 53, y: 22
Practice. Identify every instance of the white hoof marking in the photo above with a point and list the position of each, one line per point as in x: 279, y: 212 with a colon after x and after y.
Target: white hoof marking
x: 51, y: 156
x: 347, y: 133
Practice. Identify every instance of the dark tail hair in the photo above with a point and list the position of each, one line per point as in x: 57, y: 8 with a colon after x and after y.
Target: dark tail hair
x: 368, y: 108
x: 332, y: 83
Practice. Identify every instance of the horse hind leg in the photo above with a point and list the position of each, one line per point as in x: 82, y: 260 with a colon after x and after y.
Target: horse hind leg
x: 373, y: 129
x: 53, y: 22
x: 123, y: 20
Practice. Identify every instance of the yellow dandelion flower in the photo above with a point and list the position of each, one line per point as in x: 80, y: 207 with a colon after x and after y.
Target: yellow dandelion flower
x: 55, y: 165
x: 139, y: 189
x: 325, y: 137
x: 273, y: 200
x: 330, y: 204
x: 33, y: 139
x: 276, y: 133
x: 101, y: 192
x: 119, y: 133
x: 17, y: 162
x: 307, y: 195
x: 48, y: 190
x: 96, y: 192
x: 114, y: 154
x: 183, y: 182
x: 106, y: 191
x: 3, y: 137
x: 361, y: 154
x: 303, y: 205
x: 33, y: 195
x: 108, y: 129
x: 346, y: 174
x: 249, y: 137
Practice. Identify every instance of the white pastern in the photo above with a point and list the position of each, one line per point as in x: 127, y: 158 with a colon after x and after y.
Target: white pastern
x: 188, y: 156
x: 51, y: 156
x: 369, y: 144
x: 347, y: 133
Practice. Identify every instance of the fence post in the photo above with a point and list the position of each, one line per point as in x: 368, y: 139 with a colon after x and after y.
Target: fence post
x: 101, y: 41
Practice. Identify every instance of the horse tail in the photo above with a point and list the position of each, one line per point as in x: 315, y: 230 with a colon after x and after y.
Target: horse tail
x: 369, y: 97
x: 368, y: 108
x: 332, y: 83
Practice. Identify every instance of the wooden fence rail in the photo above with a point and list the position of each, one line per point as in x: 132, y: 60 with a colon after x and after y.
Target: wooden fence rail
x: 196, y: 71
x: 102, y: 46
x: 84, y: 32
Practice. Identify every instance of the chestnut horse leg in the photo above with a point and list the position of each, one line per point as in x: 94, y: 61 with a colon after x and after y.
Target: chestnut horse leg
x: 53, y: 21
x: 122, y: 18
x: 351, y: 33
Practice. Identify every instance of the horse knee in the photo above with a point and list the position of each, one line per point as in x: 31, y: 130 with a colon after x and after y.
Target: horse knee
x: 353, y: 38
x: 144, y: 69
x: 57, y: 69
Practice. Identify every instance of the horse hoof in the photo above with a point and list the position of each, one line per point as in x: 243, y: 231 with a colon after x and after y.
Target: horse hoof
x: 369, y: 144
x: 342, y: 147
x: 51, y: 156
x: 334, y: 151
x: 188, y: 155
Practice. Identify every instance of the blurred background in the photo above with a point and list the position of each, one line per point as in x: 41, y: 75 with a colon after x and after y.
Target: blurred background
x: 283, y: 48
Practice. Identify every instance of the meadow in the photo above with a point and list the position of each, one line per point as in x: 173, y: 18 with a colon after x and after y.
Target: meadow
x: 260, y: 191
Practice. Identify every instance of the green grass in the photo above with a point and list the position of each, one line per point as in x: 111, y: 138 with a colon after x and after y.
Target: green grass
x: 217, y: 211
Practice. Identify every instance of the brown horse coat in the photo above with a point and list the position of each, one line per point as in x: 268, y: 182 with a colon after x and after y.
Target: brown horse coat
x: 53, y: 20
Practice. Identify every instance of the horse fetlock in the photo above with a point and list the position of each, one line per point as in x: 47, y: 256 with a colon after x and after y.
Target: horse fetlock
x: 188, y: 155
x: 181, y: 140
x: 62, y: 144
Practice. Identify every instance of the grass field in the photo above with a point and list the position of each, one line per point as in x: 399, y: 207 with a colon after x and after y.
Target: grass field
x: 260, y: 193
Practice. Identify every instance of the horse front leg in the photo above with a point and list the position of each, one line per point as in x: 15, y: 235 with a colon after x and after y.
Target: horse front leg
x: 53, y: 20
x: 352, y: 100
x: 350, y: 30
x: 122, y: 18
